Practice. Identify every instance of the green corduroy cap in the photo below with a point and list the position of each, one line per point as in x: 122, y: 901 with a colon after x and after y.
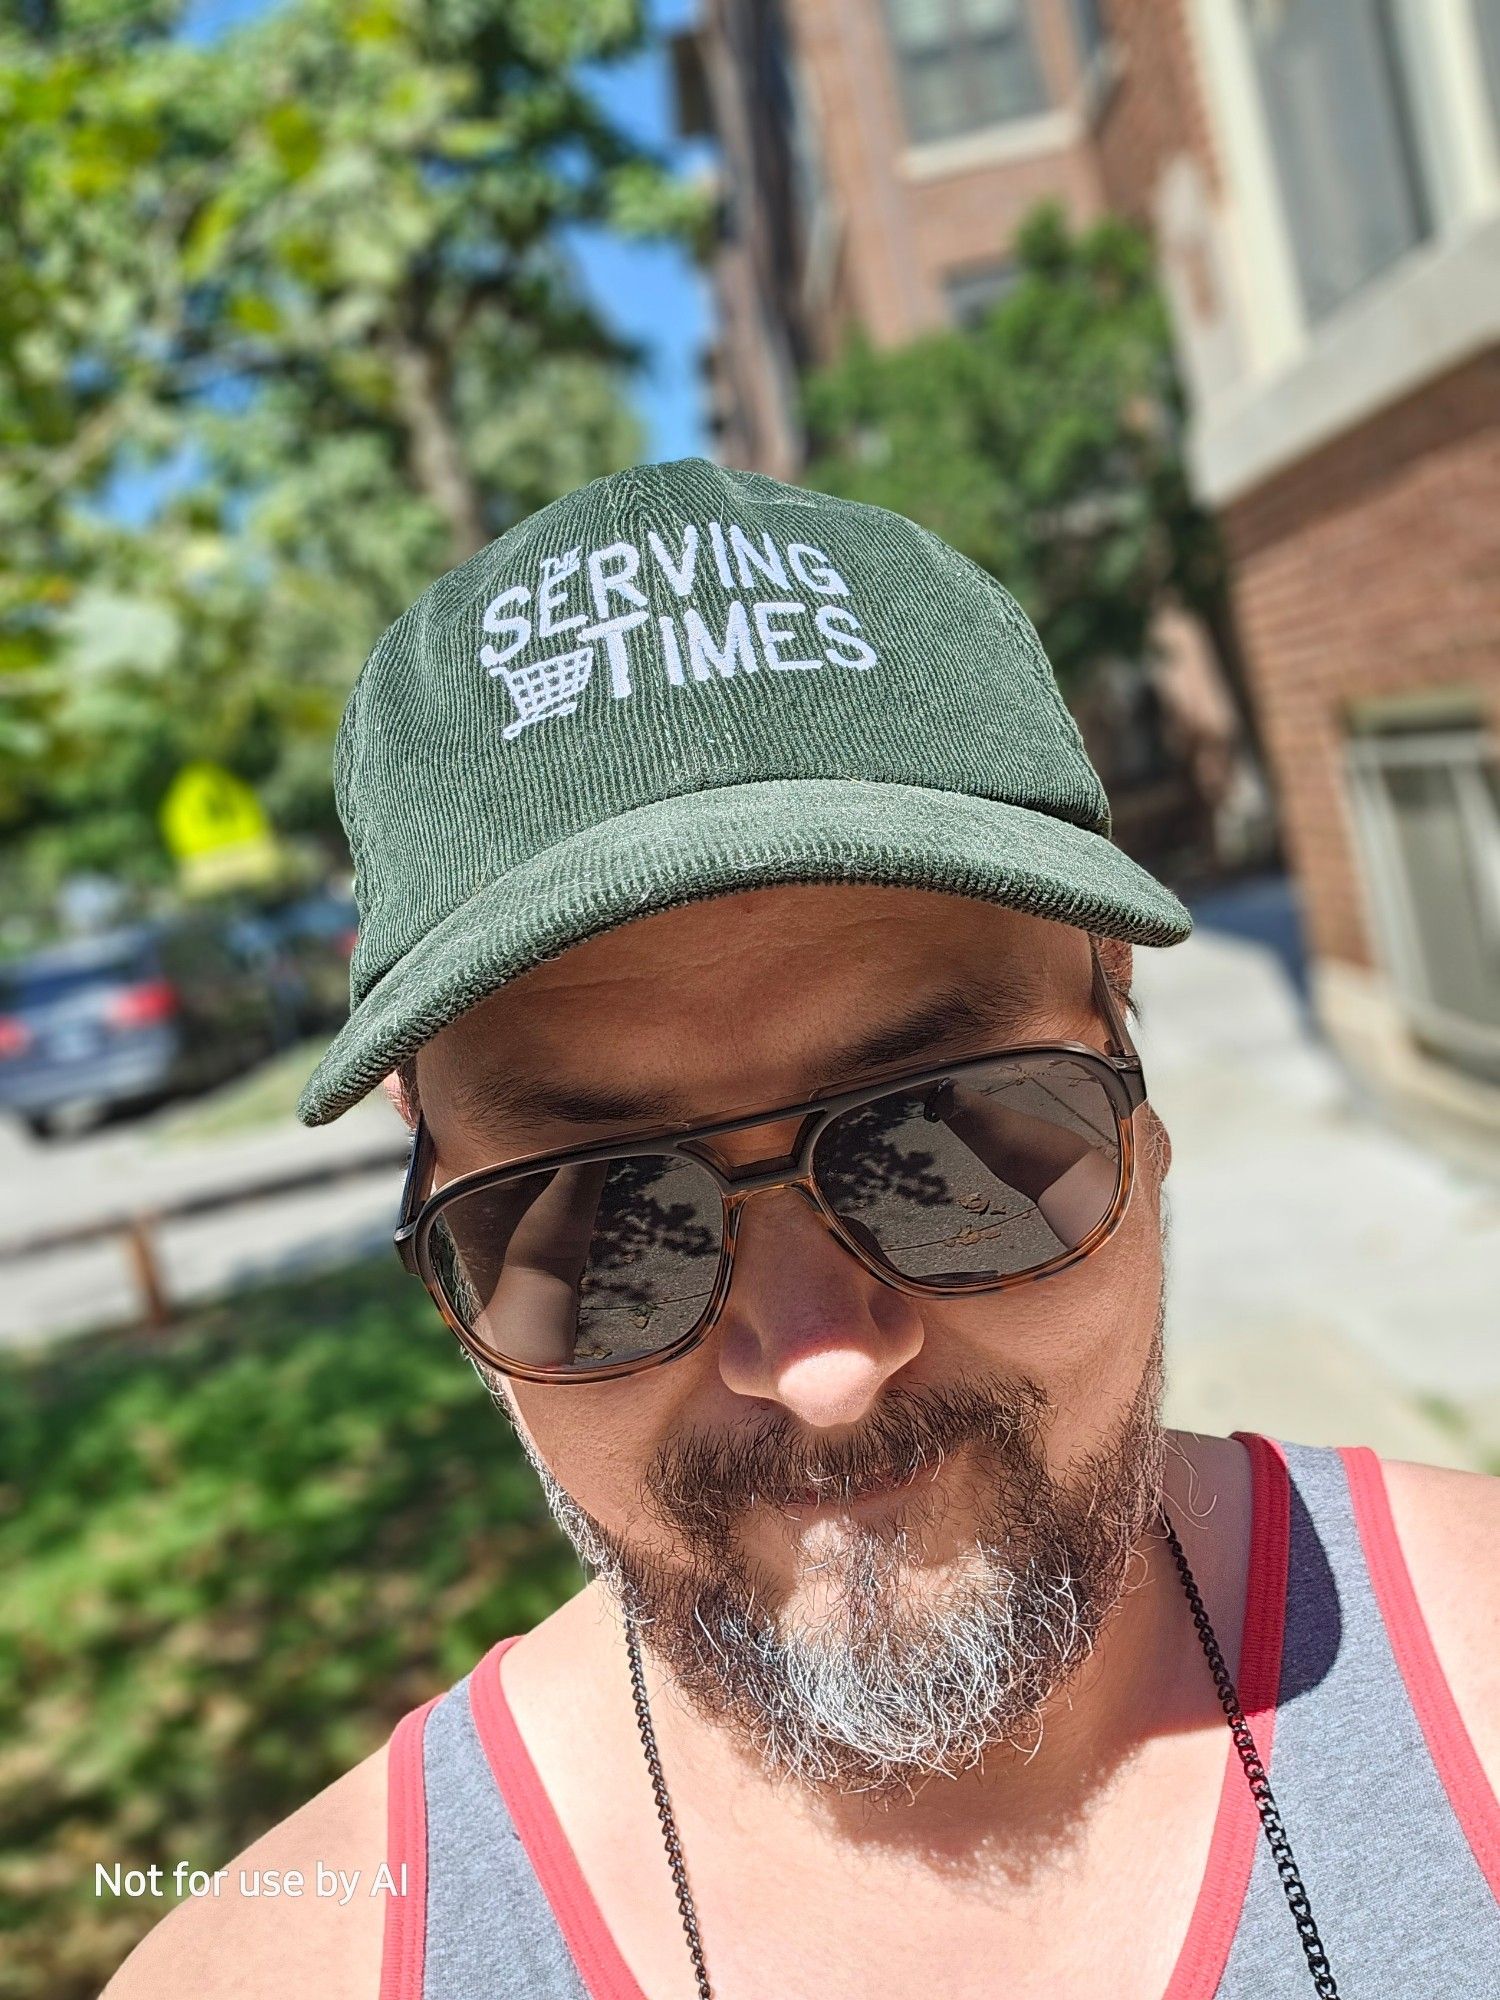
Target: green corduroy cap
x: 678, y: 682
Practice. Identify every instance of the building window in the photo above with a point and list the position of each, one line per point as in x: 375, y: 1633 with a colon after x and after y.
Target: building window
x: 971, y: 293
x: 1487, y: 21
x: 1333, y: 80
x: 1428, y: 810
x: 964, y: 64
x: 1089, y: 27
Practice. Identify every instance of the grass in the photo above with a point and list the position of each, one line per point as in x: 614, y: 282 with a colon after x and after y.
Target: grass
x: 233, y: 1559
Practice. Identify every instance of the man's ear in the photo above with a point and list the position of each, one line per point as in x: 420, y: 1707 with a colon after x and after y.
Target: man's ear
x: 391, y: 1085
x: 1118, y: 960
x: 1160, y: 1141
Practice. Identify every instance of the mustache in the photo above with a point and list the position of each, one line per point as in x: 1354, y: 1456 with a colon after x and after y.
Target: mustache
x: 700, y: 1484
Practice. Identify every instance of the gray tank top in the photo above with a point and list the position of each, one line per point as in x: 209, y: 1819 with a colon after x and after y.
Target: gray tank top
x: 1395, y: 1828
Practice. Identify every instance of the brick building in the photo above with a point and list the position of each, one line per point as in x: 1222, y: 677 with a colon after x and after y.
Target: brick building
x: 878, y: 155
x: 1323, y: 179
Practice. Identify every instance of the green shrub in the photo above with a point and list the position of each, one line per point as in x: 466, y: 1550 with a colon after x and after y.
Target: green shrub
x: 233, y: 1558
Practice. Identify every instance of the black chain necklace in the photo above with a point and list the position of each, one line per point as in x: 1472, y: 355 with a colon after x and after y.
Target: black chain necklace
x: 1234, y: 1715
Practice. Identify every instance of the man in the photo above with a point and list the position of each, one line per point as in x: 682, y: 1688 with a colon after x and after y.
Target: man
x: 742, y: 939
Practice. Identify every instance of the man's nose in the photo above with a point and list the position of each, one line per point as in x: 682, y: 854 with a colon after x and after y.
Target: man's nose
x: 805, y: 1324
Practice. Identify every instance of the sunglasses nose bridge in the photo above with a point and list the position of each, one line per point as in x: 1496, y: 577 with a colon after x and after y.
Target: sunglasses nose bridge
x: 738, y: 1200
x: 768, y: 1182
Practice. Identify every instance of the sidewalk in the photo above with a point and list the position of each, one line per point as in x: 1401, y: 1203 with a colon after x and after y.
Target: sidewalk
x: 1329, y: 1281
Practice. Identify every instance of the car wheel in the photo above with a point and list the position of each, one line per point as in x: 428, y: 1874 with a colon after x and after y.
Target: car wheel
x: 38, y: 1124
x: 73, y: 1119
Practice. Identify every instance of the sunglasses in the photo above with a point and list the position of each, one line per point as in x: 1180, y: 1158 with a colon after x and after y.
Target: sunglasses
x: 597, y: 1262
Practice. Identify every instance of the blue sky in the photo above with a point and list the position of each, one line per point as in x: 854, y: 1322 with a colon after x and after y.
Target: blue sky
x: 650, y: 292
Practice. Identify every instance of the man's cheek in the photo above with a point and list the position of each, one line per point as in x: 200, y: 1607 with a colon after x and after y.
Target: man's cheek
x: 595, y: 1466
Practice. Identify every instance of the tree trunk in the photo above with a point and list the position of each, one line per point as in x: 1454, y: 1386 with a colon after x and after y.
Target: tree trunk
x: 437, y: 459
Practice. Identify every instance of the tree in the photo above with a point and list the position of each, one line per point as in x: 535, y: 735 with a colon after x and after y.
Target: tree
x: 318, y: 271
x: 1046, y: 444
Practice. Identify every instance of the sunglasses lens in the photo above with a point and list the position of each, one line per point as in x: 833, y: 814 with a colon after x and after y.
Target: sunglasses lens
x: 993, y: 1173
x: 582, y: 1266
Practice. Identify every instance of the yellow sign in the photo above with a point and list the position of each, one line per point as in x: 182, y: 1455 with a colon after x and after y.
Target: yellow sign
x: 213, y: 822
x: 208, y: 808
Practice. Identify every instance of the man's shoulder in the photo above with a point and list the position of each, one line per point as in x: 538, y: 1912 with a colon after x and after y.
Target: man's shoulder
x: 1443, y: 1485
x: 233, y: 1945
x: 1448, y: 1522
x: 1447, y: 1525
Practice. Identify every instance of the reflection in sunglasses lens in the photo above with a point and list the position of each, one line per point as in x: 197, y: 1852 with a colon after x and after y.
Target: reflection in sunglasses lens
x: 582, y: 1266
x: 996, y: 1171
x: 992, y: 1173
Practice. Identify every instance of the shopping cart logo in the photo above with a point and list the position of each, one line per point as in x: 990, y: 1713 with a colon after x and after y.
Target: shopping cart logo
x: 543, y: 689
x: 726, y: 606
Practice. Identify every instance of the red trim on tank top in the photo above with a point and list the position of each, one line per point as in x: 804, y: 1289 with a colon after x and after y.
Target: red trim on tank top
x: 603, y: 1970
x: 1231, y: 1855
x: 1449, y: 1744
x: 404, y: 1945
x: 1231, y: 1851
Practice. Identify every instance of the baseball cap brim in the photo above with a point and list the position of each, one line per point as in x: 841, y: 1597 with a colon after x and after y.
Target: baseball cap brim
x: 699, y: 845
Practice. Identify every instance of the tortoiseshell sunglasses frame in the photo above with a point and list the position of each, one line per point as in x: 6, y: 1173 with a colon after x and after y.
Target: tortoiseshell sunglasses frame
x: 1118, y: 1068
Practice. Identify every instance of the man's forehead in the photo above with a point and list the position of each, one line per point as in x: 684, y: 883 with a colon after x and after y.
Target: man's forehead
x: 684, y: 1083
x: 754, y: 1000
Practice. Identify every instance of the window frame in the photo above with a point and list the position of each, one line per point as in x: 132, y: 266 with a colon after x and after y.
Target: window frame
x: 957, y: 53
x: 1409, y: 158
x: 1466, y: 749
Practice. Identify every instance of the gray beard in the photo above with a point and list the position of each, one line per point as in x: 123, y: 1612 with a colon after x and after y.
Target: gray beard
x: 892, y: 1684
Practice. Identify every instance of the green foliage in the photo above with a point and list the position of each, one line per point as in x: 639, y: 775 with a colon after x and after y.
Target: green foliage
x: 318, y: 268
x: 233, y: 1560
x: 1044, y: 443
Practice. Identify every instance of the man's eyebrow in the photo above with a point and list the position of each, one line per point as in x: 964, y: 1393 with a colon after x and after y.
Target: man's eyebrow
x: 488, y: 1098
x: 954, y: 1013
x: 491, y: 1097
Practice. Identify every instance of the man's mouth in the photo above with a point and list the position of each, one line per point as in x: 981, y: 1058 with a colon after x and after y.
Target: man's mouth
x: 837, y: 1495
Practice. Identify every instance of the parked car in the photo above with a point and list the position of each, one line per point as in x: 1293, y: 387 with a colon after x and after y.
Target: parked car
x: 316, y: 933
x: 302, y: 947
x: 129, y: 1017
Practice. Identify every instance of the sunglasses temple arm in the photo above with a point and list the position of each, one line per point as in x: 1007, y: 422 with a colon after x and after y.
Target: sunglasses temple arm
x: 418, y: 1174
x: 1120, y: 1043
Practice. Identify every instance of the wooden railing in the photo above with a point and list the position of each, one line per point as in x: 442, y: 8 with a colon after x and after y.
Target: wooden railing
x: 136, y: 1228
